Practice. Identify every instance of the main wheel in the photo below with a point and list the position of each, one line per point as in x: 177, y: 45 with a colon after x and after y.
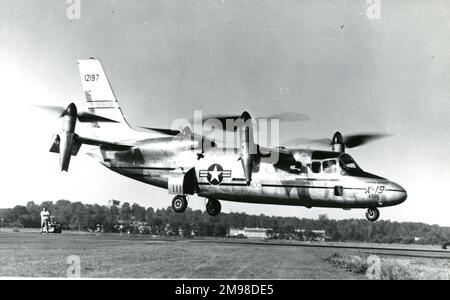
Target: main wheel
x: 213, y: 207
x: 179, y: 203
x: 372, y: 214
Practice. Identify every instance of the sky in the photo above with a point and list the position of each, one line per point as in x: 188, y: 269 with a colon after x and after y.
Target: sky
x: 331, y: 60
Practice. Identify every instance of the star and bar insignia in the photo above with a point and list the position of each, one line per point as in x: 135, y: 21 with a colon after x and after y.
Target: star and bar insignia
x: 215, y: 174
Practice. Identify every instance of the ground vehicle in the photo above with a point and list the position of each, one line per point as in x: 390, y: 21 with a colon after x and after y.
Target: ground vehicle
x: 54, y: 226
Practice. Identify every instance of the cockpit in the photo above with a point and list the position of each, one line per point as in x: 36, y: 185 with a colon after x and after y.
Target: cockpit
x: 348, y: 165
x: 334, y: 163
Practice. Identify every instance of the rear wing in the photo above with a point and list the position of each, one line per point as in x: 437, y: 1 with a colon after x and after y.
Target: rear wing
x: 79, y: 140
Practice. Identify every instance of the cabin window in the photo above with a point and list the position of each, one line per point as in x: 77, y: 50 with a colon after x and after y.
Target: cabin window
x: 316, y: 166
x: 329, y: 166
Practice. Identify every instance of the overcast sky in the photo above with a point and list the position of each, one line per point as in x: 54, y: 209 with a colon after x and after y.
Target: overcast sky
x: 166, y: 59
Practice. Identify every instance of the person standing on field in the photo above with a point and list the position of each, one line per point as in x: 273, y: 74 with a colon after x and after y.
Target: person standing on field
x: 45, y: 215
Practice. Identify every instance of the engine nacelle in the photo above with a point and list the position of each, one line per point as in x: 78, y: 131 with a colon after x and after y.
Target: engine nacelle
x: 65, y: 149
x: 66, y: 144
x: 248, y: 149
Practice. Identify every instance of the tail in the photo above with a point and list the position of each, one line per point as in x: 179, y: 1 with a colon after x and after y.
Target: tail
x: 101, y: 101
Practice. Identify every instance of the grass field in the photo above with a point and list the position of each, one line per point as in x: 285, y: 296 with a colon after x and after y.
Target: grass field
x: 395, y: 268
x: 104, y: 256
x: 29, y: 254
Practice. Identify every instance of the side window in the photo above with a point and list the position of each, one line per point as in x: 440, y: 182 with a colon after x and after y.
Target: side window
x: 329, y: 166
x: 298, y: 168
x: 316, y: 166
x: 343, y: 168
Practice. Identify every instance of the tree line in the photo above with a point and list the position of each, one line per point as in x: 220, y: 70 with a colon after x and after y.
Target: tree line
x: 140, y: 220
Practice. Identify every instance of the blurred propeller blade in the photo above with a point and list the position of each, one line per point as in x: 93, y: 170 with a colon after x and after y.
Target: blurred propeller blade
x: 355, y: 140
x: 89, y: 117
x: 289, y: 117
x: 307, y: 141
x: 222, y: 120
x: 163, y: 130
x: 350, y: 141
x: 283, y: 117
x: 58, y: 110
x: 83, y: 116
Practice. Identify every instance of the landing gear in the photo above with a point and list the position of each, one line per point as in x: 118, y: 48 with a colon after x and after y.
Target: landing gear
x: 179, y: 203
x: 372, y: 214
x: 213, y: 207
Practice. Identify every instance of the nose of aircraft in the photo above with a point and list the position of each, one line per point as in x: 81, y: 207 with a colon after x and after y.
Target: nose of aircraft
x: 398, y: 193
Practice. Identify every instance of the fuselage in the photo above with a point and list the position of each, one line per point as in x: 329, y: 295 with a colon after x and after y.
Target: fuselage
x: 309, y: 178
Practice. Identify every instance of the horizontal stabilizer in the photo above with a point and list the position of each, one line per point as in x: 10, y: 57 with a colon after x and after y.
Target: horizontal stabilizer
x: 78, y: 141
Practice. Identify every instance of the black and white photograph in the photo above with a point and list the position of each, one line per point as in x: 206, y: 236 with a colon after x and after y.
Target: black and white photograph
x: 225, y: 144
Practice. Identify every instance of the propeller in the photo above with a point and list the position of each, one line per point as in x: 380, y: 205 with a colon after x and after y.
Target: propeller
x: 349, y: 141
x: 289, y: 117
x: 67, y: 142
x: 163, y: 130
x: 71, y: 110
x: 356, y: 140
x: 283, y: 117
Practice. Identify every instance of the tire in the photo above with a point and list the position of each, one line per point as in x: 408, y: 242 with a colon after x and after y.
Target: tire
x: 179, y: 204
x: 213, y: 207
x: 372, y: 214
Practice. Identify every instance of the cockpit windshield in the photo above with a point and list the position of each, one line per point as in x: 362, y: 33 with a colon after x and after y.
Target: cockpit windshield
x: 348, y: 165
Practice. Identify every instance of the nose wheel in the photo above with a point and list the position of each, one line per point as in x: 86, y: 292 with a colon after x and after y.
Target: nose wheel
x: 179, y: 203
x: 372, y: 214
x: 213, y: 207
